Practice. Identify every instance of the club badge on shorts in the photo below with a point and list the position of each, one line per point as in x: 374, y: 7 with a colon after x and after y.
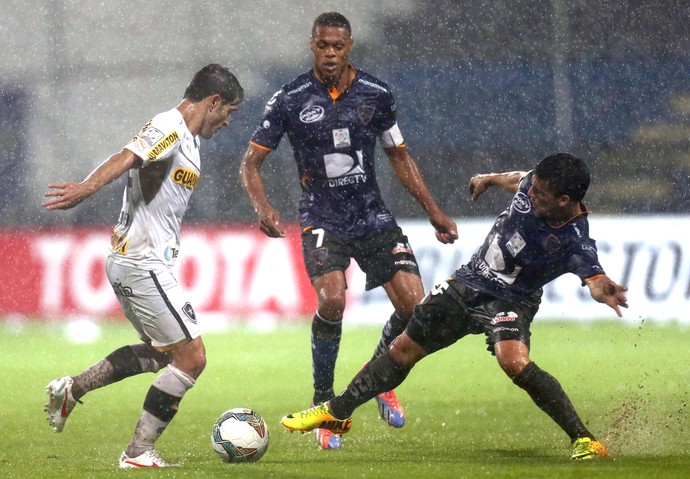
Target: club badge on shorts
x: 189, y: 312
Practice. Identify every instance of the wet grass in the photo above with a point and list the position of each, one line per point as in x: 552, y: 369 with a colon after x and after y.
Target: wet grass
x: 465, y: 418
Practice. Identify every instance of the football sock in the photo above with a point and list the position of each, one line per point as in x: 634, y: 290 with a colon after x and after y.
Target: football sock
x: 120, y: 364
x: 325, y: 342
x: 548, y: 394
x: 379, y: 375
x: 391, y: 330
x: 160, y: 406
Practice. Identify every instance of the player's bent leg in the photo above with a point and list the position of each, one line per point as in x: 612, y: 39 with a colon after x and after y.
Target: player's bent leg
x: 377, y: 377
x: 549, y: 396
x: 165, y: 394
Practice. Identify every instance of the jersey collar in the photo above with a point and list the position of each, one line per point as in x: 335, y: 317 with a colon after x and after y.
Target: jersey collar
x: 335, y: 94
x: 584, y: 212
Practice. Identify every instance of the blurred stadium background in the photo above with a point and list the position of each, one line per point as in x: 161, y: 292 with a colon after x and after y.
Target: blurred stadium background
x: 481, y: 86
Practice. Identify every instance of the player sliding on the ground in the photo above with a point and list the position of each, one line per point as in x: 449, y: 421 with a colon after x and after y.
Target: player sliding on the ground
x: 542, y: 235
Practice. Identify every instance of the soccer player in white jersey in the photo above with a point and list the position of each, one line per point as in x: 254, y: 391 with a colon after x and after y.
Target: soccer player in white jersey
x: 163, y: 166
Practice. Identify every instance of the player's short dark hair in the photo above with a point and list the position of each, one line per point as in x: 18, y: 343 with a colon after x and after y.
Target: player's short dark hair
x: 565, y: 174
x: 331, y: 19
x: 212, y: 79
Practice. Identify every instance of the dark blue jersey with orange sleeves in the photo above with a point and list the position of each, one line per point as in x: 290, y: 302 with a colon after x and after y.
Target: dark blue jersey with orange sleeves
x: 522, y: 252
x: 333, y: 142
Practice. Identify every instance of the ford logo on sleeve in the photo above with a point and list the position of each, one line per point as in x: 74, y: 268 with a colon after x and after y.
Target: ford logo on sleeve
x: 521, y: 203
x: 311, y: 114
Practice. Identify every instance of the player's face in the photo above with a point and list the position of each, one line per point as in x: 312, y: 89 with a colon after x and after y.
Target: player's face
x: 331, y: 47
x: 545, y: 203
x: 216, y: 119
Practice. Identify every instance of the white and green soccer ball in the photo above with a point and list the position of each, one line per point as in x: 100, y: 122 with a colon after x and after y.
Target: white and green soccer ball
x: 240, y: 435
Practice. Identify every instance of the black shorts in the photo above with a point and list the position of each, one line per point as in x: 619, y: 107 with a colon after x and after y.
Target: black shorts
x: 453, y: 310
x: 380, y: 256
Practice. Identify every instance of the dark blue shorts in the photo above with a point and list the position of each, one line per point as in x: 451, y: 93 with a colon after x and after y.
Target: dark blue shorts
x: 380, y: 256
x: 453, y: 310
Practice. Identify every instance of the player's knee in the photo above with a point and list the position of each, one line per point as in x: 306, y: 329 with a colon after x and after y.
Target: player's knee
x: 193, y: 368
x: 406, y: 310
x: 191, y: 358
x: 405, y: 352
x: 512, y: 365
x: 332, y: 307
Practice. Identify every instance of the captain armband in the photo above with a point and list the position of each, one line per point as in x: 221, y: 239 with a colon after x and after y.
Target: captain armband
x: 392, y: 137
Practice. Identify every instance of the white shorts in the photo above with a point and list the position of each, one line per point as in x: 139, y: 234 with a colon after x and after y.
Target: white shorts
x: 155, y: 304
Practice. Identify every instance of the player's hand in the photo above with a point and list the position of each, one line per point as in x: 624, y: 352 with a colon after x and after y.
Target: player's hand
x: 269, y: 223
x: 478, y: 185
x: 604, y: 290
x: 446, y: 229
x: 65, y: 195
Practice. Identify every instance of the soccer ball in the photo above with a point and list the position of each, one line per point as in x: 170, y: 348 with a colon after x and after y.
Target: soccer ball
x: 239, y: 435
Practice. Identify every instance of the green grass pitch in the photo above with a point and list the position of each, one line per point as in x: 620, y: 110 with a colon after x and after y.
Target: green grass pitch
x: 465, y: 417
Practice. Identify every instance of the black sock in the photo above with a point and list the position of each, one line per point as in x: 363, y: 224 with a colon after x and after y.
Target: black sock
x: 391, y: 330
x: 378, y: 376
x: 547, y: 393
x: 325, y: 343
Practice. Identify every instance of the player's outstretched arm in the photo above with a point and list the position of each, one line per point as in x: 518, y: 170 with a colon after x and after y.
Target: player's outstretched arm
x: 604, y: 290
x: 508, y: 181
x: 407, y: 172
x: 269, y: 217
x: 69, y: 194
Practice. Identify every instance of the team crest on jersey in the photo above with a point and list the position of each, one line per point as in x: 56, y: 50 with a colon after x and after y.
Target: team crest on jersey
x: 521, y: 203
x: 185, y: 177
x: 189, y: 312
x: 552, y: 244
x: 311, y: 114
x: 365, y: 113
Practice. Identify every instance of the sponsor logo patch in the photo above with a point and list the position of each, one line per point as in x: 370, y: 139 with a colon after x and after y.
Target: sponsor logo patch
x: 515, y: 244
x: 504, y: 317
x: 159, y: 148
x: 311, y: 114
x: 402, y: 248
x: 185, y: 177
x: 120, y: 244
x: 341, y: 138
x: 521, y: 203
x: 171, y: 253
x: 122, y: 290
